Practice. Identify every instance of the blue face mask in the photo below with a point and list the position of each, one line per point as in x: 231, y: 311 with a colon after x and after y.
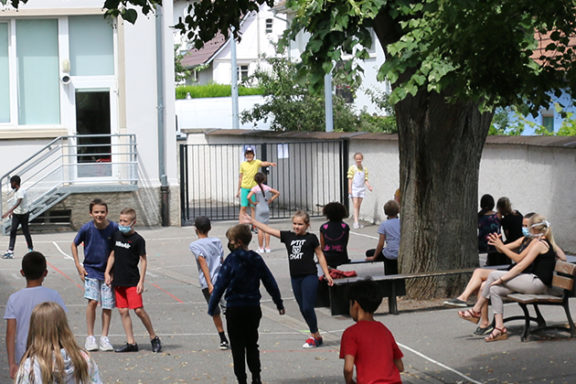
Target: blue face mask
x: 124, y: 228
x: 526, y: 232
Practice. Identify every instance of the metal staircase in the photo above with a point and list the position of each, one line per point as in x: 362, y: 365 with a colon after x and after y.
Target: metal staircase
x: 73, y: 164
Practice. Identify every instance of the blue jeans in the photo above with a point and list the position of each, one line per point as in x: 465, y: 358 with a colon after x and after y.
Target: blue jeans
x: 305, y: 288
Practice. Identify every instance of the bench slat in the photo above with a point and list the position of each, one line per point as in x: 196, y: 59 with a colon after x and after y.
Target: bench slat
x: 563, y: 282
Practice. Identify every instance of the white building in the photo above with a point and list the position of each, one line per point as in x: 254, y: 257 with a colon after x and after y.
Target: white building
x: 65, y: 71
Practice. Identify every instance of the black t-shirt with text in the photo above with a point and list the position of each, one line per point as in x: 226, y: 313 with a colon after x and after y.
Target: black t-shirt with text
x: 127, y: 252
x: 300, y: 252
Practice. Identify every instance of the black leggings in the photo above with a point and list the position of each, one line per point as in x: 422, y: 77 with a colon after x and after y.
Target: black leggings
x: 23, y: 221
x: 242, y: 324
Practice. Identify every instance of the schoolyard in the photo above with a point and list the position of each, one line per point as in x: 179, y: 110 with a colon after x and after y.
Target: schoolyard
x: 438, y: 347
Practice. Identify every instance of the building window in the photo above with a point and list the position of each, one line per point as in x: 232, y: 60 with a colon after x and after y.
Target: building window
x: 242, y: 73
x: 269, y: 24
x: 91, y: 46
x: 4, y: 75
x: 548, y: 121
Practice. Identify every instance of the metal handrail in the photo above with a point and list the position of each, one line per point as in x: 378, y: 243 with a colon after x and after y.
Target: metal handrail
x: 65, y: 161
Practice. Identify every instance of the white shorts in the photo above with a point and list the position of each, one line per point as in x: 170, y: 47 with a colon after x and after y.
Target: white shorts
x: 358, y: 192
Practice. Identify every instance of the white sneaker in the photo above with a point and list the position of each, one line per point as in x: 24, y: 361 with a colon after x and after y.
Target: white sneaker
x: 260, y: 250
x: 267, y: 250
x: 91, y: 344
x: 355, y: 226
x: 105, y: 345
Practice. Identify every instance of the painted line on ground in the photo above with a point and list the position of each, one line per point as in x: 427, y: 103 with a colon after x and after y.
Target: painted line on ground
x: 66, y: 256
x: 65, y: 275
x: 166, y: 292
x: 467, y: 378
x: 364, y: 235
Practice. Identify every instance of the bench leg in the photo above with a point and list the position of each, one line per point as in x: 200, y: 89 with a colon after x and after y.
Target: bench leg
x: 539, y: 318
x: 526, y: 322
x: 569, y: 317
x: 392, y: 304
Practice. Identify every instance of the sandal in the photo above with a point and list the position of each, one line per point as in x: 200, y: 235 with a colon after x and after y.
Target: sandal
x: 497, y: 334
x: 483, y: 331
x: 470, y: 315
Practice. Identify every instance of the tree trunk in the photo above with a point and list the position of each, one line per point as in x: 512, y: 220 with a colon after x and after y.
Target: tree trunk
x: 440, y: 151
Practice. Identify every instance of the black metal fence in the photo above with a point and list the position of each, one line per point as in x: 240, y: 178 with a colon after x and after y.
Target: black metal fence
x: 308, y: 175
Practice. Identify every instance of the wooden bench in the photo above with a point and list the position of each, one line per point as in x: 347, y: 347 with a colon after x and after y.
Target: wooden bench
x: 563, y: 281
x: 390, y: 286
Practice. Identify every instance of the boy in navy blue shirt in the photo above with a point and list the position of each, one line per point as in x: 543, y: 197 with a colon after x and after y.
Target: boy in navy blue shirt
x: 96, y: 236
x: 240, y: 277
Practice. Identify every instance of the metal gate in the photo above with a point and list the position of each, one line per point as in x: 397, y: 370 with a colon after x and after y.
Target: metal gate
x: 308, y: 176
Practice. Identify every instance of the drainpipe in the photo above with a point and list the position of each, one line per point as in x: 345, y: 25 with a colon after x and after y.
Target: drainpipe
x: 164, y: 188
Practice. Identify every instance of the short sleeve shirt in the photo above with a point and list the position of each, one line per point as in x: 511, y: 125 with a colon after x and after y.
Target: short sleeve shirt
x: 210, y: 249
x: 127, y: 252
x: 23, y: 207
x: 300, y: 252
x: 374, y: 350
x: 335, y: 242
x: 97, y: 247
x: 248, y: 170
x: 20, y: 305
x: 391, y: 229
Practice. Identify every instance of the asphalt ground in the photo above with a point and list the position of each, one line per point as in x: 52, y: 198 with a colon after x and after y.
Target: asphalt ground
x: 438, y: 347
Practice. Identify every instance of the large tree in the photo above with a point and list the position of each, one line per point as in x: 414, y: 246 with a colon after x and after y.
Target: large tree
x: 450, y: 63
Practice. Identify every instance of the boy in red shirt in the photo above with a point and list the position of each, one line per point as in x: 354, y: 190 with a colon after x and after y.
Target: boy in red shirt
x: 368, y: 344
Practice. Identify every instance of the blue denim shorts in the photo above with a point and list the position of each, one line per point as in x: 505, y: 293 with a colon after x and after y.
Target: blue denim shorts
x: 98, y: 290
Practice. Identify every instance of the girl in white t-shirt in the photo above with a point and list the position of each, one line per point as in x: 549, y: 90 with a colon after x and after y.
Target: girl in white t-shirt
x: 357, y: 184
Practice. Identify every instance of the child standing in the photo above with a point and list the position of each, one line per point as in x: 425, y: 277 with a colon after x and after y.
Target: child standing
x: 96, y: 236
x: 122, y: 272
x: 264, y: 195
x: 52, y: 355
x: 209, y: 256
x: 20, y: 305
x: 19, y: 214
x: 246, y: 181
x: 301, y: 247
x: 357, y: 183
x: 334, y: 235
x: 369, y: 345
x: 389, y: 231
x: 240, y: 277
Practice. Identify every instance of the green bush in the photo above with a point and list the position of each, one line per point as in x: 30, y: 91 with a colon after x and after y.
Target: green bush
x: 213, y: 90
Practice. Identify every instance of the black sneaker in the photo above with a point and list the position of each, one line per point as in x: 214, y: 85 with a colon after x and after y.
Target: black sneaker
x: 224, y: 345
x: 156, y: 344
x: 127, y: 348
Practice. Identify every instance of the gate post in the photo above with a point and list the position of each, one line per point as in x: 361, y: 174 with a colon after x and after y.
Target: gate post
x: 343, y: 170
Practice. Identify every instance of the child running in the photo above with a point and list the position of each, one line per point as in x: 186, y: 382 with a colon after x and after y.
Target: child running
x: 21, y: 304
x: 52, y: 355
x: 122, y: 272
x: 96, y: 238
x: 357, y: 183
x: 264, y: 195
x: 368, y: 344
x: 334, y: 235
x: 209, y: 256
x: 240, y: 277
x: 20, y: 215
x: 301, y: 247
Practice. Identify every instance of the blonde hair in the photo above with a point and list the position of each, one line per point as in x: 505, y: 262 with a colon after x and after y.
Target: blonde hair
x: 49, y: 332
x: 540, y: 225
x: 303, y: 215
x: 358, y: 153
x: 129, y: 212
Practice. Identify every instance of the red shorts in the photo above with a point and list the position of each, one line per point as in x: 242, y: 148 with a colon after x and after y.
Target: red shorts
x: 127, y: 297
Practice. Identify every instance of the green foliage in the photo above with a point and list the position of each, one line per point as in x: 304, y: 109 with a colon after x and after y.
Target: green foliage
x: 502, y: 124
x: 181, y: 73
x: 290, y: 106
x: 511, y: 122
x: 214, y: 90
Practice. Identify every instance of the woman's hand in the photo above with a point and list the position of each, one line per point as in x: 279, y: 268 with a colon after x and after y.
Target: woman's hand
x: 495, y: 240
x: 500, y: 281
x: 245, y: 219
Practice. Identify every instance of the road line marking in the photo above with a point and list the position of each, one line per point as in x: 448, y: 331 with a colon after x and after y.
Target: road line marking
x: 66, y: 256
x: 166, y: 292
x: 151, y: 274
x: 469, y: 379
x: 65, y: 275
x: 363, y: 235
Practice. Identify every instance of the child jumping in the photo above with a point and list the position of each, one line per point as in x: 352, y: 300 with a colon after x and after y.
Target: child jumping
x: 368, y: 344
x: 96, y: 237
x: 122, y: 272
x: 357, y: 183
x: 301, y: 247
x: 52, y: 355
x: 240, y: 277
x: 334, y: 235
x: 19, y: 214
x: 264, y: 195
x: 21, y: 304
x: 246, y: 181
x: 209, y: 256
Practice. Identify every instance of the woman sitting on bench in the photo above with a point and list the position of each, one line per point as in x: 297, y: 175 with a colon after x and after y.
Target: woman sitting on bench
x: 532, y: 274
